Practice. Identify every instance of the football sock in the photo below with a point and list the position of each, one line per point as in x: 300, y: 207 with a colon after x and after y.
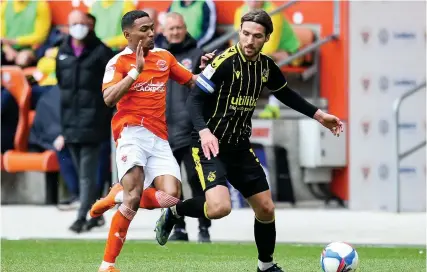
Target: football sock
x: 193, y: 207
x: 117, y: 234
x: 151, y: 198
x: 265, y: 239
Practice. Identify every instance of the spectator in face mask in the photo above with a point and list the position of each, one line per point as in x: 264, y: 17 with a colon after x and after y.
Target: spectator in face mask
x: 85, y: 118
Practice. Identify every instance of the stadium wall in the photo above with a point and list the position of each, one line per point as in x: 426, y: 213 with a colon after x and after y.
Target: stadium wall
x: 387, y: 53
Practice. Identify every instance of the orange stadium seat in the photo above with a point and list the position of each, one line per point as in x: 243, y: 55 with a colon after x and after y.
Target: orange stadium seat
x: 13, y: 79
x: 17, y: 161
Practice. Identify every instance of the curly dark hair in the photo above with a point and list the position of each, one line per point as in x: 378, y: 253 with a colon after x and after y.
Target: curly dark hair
x: 261, y: 17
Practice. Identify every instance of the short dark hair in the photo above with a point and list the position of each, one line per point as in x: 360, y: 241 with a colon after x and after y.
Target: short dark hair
x: 129, y: 18
x: 261, y: 17
x: 91, y: 17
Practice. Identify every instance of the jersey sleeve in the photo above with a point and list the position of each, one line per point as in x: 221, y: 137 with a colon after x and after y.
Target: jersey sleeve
x: 113, y: 73
x: 178, y: 72
x: 214, y: 73
x: 276, y: 80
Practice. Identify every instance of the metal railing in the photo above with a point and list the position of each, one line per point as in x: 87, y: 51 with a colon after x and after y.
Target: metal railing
x: 233, y: 34
x: 401, y: 156
x: 335, y: 35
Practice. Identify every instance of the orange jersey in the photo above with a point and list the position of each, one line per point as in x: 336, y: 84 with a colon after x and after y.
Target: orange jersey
x: 145, y: 102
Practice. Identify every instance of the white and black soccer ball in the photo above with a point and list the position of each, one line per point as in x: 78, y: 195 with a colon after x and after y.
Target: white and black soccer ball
x: 339, y: 257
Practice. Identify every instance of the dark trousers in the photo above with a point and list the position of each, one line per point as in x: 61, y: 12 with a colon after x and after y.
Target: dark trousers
x: 183, y: 155
x: 68, y: 171
x: 86, y: 160
x: 104, y: 173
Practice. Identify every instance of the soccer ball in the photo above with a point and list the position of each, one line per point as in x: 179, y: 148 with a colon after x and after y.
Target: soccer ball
x: 339, y: 257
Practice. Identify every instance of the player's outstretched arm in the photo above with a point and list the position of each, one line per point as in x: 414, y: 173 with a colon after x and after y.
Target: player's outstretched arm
x: 280, y: 89
x: 113, y: 93
x: 293, y: 100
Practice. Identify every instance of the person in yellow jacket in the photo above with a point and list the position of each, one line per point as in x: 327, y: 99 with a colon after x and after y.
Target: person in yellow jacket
x: 45, y: 70
x: 25, y: 25
x: 108, y: 14
x: 283, y: 42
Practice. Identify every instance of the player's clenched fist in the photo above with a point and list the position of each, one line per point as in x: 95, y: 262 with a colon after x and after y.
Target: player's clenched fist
x: 140, y: 60
x: 209, y: 143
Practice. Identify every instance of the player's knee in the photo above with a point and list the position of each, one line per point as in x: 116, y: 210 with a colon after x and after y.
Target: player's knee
x: 266, y: 210
x: 168, y: 184
x: 174, y: 191
x: 219, y: 210
x: 132, y: 200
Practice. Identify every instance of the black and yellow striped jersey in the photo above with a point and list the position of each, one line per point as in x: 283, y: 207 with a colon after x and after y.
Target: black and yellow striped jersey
x: 234, y: 85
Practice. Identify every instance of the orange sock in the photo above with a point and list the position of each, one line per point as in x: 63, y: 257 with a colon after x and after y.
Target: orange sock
x: 117, y: 235
x: 151, y: 198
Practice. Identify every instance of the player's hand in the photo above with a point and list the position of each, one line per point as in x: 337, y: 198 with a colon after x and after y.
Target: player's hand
x: 209, y: 143
x: 140, y: 60
x: 330, y: 121
x: 206, y: 59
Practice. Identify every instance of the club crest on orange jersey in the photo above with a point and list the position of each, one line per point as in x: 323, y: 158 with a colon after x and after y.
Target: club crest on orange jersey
x: 162, y: 65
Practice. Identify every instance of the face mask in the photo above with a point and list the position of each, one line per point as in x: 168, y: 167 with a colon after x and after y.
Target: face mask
x: 79, y: 31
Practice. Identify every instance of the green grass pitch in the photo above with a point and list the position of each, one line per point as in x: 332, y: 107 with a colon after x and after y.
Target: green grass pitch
x: 85, y: 256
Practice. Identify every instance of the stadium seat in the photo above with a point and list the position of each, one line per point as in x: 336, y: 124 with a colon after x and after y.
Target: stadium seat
x: 306, y: 36
x: 13, y: 79
x: 17, y: 161
x: 46, y: 162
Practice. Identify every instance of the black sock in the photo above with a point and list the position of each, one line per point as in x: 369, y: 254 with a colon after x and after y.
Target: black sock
x: 193, y: 207
x: 265, y: 239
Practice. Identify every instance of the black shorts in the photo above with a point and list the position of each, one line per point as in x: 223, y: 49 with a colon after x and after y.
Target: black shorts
x: 239, y: 165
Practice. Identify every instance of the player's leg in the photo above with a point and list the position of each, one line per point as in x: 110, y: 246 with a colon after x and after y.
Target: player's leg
x: 130, y: 159
x: 254, y: 187
x: 164, y: 173
x: 151, y: 198
x: 264, y: 230
x: 132, y: 188
x: 214, y: 205
x: 196, y: 190
x: 179, y: 233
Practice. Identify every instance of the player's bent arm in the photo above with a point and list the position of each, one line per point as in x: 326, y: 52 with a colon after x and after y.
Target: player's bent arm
x: 296, y: 102
x: 113, y: 93
x: 195, y: 104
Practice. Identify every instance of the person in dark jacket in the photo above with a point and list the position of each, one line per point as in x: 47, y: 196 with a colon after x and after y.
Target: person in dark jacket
x: 180, y: 43
x: 85, y: 118
x: 45, y: 134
